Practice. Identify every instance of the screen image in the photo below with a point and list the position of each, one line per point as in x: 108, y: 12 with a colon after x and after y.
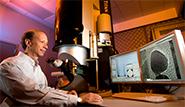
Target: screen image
x: 161, y: 60
x: 125, y: 67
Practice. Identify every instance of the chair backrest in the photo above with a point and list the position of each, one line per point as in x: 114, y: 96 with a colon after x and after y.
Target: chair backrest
x: 8, y: 49
x: 2, y: 96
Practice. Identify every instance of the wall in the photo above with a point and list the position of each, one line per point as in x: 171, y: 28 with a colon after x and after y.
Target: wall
x: 134, y: 38
x: 13, y: 25
x: 131, y: 39
x: 147, y: 19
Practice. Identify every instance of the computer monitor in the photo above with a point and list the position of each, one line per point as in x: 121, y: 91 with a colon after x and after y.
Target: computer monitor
x: 163, y: 60
x: 125, y: 67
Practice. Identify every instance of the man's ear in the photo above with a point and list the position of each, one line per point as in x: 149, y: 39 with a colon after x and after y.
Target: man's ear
x: 28, y: 42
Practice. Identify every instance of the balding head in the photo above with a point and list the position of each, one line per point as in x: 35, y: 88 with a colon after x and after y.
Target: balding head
x: 29, y: 35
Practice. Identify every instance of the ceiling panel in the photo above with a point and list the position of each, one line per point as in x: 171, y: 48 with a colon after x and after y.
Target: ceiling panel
x: 131, y: 9
x: 113, y: 4
x: 41, y: 2
x: 32, y: 8
x: 116, y: 14
x: 170, y: 3
x: 50, y: 5
x: 50, y: 20
x: 43, y: 11
x: 153, y: 6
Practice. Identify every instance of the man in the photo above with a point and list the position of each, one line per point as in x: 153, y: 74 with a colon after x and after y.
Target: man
x: 22, y: 79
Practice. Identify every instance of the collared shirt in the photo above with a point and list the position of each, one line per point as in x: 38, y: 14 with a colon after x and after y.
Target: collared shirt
x: 22, y: 79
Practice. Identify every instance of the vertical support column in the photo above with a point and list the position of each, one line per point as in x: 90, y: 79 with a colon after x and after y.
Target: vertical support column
x: 97, y: 76
x: 68, y: 22
x: 105, y: 46
x: 87, y: 21
x: 105, y: 24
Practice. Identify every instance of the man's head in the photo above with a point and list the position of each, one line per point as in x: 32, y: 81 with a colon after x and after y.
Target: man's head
x: 34, y: 43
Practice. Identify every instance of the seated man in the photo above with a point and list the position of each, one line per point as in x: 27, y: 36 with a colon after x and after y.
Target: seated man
x: 22, y: 79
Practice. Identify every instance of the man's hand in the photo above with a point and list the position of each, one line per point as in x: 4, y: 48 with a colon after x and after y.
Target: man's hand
x: 91, y: 98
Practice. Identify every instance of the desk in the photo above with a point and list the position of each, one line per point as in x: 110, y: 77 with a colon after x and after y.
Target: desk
x: 116, y: 102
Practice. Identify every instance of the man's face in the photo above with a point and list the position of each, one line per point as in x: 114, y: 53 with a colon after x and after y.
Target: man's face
x: 39, y: 44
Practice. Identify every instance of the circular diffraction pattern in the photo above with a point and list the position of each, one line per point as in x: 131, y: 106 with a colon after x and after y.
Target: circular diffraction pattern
x: 159, y: 62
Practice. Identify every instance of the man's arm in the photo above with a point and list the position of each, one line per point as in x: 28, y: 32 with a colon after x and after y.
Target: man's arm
x: 21, y: 88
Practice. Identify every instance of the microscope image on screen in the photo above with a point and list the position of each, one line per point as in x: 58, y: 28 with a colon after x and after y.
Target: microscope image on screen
x: 160, y: 61
x: 130, y: 70
x: 159, y: 66
x: 125, y: 67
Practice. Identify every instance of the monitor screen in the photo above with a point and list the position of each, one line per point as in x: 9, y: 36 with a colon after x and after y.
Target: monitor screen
x: 125, y: 67
x: 163, y: 60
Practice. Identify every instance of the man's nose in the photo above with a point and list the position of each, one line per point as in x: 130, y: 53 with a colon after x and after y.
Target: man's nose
x: 46, y: 46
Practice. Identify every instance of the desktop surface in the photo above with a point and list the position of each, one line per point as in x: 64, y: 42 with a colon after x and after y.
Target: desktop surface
x: 113, y: 101
x: 116, y: 102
